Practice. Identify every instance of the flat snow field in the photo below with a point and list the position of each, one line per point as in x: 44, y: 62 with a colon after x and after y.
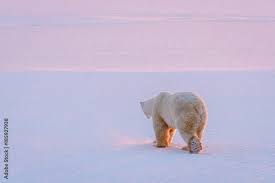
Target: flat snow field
x: 88, y: 127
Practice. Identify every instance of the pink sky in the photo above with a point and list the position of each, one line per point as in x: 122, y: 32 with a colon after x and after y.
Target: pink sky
x: 137, y: 35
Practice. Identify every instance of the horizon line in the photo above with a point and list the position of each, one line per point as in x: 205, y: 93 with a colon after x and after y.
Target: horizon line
x: 170, y: 70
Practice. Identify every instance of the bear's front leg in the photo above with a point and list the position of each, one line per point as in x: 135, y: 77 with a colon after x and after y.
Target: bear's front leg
x: 172, y: 132
x: 161, y: 132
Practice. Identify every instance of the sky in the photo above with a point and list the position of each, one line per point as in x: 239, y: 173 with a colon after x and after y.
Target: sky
x: 123, y: 35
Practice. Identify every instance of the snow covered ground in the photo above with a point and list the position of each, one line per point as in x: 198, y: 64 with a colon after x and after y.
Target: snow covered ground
x: 88, y: 127
x: 137, y: 43
x: 69, y: 123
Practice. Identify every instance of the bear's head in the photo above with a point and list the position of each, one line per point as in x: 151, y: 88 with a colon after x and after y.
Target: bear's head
x: 147, y: 107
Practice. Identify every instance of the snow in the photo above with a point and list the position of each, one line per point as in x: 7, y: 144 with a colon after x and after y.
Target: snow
x: 109, y: 44
x: 88, y: 127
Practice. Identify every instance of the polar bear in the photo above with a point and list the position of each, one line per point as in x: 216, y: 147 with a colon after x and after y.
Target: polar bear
x: 184, y: 111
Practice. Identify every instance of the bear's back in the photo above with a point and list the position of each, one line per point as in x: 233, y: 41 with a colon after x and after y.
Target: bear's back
x: 187, y: 102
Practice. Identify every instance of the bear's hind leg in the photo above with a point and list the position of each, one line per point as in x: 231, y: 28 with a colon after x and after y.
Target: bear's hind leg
x: 193, y: 142
x: 188, y: 131
x: 200, y: 130
x: 194, y: 145
x: 161, y: 131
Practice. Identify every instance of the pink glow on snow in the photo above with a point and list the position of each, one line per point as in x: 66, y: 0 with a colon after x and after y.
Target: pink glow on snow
x: 96, y: 7
x: 126, y: 141
x: 127, y: 36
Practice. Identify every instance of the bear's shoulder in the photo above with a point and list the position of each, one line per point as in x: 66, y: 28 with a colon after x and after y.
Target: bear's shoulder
x: 163, y: 93
x: 185, y: 96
